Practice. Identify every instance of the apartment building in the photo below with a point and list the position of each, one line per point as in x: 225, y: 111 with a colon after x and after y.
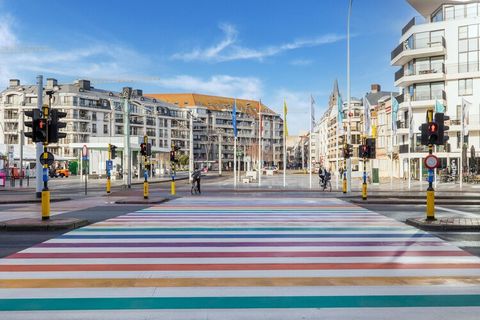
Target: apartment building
x: 438, y: 60
x: 213, y: 134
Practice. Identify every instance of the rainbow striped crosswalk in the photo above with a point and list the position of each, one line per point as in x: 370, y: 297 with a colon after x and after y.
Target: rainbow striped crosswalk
x: 242, y: 258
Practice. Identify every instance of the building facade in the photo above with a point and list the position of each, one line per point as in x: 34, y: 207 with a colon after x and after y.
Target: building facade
x: 438, y: 60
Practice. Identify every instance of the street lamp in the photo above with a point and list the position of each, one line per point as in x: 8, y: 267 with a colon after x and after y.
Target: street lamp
x: 349, y: 133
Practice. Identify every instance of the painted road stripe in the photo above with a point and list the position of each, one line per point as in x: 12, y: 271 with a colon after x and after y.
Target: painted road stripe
x: 97, y: 228
x: 237, y: 282
x: 242, y: 302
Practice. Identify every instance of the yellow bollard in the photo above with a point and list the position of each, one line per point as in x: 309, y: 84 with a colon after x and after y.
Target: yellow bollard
x: 145, y: 190
x: 172, y: 188
x: 364, y: 191
x: 45, y: 205
x: 430, y: 205
x: 109, y: 185
x: 344, y: 185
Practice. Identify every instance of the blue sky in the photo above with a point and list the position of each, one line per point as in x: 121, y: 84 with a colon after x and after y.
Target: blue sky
x: 269, y: 50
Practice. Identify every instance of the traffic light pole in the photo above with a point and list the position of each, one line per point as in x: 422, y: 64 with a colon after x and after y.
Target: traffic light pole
x: 109, y: 182
x: 173, y: 190
x: 430, y: 191
x: 38, y: 145
x: 145, y: 171
x: 364, y: 184
x: 45, y: 191
x: 344, y: 181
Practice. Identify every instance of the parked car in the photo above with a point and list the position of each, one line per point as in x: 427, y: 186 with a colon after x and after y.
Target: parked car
x: 55, y: 173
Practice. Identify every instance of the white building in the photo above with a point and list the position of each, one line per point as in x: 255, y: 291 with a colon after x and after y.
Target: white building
x: 439, y: 61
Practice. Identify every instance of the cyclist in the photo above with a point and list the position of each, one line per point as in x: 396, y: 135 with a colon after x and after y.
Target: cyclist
x: 196, y: 175
x: 326, y: 178
x: 321, y: 175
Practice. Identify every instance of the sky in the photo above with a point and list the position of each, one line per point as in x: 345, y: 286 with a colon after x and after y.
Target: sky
x: 253, y: 49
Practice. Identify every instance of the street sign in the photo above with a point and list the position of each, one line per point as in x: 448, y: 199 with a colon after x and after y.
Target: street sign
x: 431, y: 161
x: 85, y: 152
x: 109, y: 165
x: 48, y: 161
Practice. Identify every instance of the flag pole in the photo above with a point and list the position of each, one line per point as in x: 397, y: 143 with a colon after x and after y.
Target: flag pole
x: 234, y: 161
x: 259, y: 143
x: 284, y: 158
x: 410, y: 115
x: 310, y: 143
x: 391, y: 142
x: 462, y: 132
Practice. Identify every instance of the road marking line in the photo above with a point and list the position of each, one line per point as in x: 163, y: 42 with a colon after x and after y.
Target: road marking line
x: 464, y: 213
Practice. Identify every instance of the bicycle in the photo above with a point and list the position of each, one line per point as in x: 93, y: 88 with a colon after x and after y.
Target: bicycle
x: 327, y: 185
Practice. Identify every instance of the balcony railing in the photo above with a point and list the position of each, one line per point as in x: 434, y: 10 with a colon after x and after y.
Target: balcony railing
x: 424, y: 97
x: 404, y: 46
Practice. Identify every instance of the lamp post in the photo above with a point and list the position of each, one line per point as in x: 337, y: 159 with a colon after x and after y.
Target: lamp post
x: 349, y: 133
x: 126, y: 94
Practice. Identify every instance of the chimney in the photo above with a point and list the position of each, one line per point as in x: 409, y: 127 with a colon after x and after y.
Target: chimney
x: 84, y: 84
x: 137, y: 92
x: 14, y: 83
x: 51, y: 82
x: 375, y: 88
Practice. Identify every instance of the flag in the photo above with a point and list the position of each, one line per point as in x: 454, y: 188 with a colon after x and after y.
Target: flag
x: 285, y: 111
x: 439, y: 107
x: 366, y: 116
x: 339, y: 114
x: 312, y: 112
x: 465, y: 112
x: 234, y: 118
x: 395, y: 107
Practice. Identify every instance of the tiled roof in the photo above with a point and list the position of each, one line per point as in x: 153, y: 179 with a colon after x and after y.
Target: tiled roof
x: 214, y: 103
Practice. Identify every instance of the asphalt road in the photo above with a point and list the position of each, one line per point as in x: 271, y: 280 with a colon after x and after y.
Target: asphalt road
x: 469, y: 241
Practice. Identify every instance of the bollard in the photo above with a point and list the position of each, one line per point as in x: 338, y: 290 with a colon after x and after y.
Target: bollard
x: 173, y: 191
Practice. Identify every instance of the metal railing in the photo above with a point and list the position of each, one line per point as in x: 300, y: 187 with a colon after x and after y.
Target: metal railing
x: 404, y: 46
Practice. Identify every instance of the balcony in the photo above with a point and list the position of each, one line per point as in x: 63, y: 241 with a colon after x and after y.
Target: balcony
x: 423, y: 100
x: 404, y: 78
x: 403, y: 53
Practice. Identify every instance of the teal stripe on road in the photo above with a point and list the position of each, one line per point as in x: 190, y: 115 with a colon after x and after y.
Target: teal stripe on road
x: 133, y: 228
x: 280, y: 302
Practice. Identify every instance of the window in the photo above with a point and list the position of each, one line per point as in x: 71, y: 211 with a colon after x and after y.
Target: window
x: 468, y: 48
x: 465, y: 87
x: 459, y: 11
x: 471, y: 10
x: 449, y: 13
x: 94, y: 128
x: 105, y: 129
x: 437, y: 16
x: 94, y: 116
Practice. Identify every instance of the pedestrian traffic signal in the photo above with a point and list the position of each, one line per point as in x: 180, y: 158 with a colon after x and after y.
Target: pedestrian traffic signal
x: 143, y: 149
x: 113, y: 151
x: 149, y: 149
x: 440, y: 119
x: 55, y: 125
x: 172, y: 156
x: 363, y: 151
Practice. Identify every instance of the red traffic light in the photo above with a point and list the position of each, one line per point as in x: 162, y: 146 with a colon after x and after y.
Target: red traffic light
x: 432, y: 127
x: 41, y: 123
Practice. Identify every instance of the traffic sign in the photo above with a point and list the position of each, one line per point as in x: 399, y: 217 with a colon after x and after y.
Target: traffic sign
x: 48, y: 161
x: 431, y: 161
x: 109, y: 165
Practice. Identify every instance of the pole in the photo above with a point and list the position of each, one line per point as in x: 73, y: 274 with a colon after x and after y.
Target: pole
x: 391, y: 141
x: 126, y: 148
x: 145, y: 168
x: 430, y: 191
x: 408, y: 165
x: 234, y: 162
x: 364, y: 184
x: 259, y: 145
x: 22, y: 142
x: 38, y: 145
x: 303, y: 153
x: 284, y: 158
x: 108, y: 168
x: 190, y: 157
x: 460, y: 170
x: 45, y: 191
x: 349, y: 133
x: 173, y: 189
x: 219, y: 154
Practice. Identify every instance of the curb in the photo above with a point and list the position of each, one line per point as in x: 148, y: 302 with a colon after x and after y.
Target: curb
x: 146, y: 201
x: 32, y: 224
x: 394, y: 201
x: 442, y: 225
x: 32, y: 201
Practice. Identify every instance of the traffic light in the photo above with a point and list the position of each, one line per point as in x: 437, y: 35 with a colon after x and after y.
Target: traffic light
x: 372, y: 153
x: 347, y: 150
x: 55, y: 125
x: 36, y: 115
x: 113, y: 151
x: 424, y: 134
x: 149, y: 149
x: 432, y: 131
x: 143, y: 149
x: 172, y: 156
x: 363, y: 151
x: 440, y: 119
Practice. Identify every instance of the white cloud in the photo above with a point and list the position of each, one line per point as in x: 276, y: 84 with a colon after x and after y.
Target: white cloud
x: 222, y: 85
x: 301, y: 62
x: 228, y: 49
